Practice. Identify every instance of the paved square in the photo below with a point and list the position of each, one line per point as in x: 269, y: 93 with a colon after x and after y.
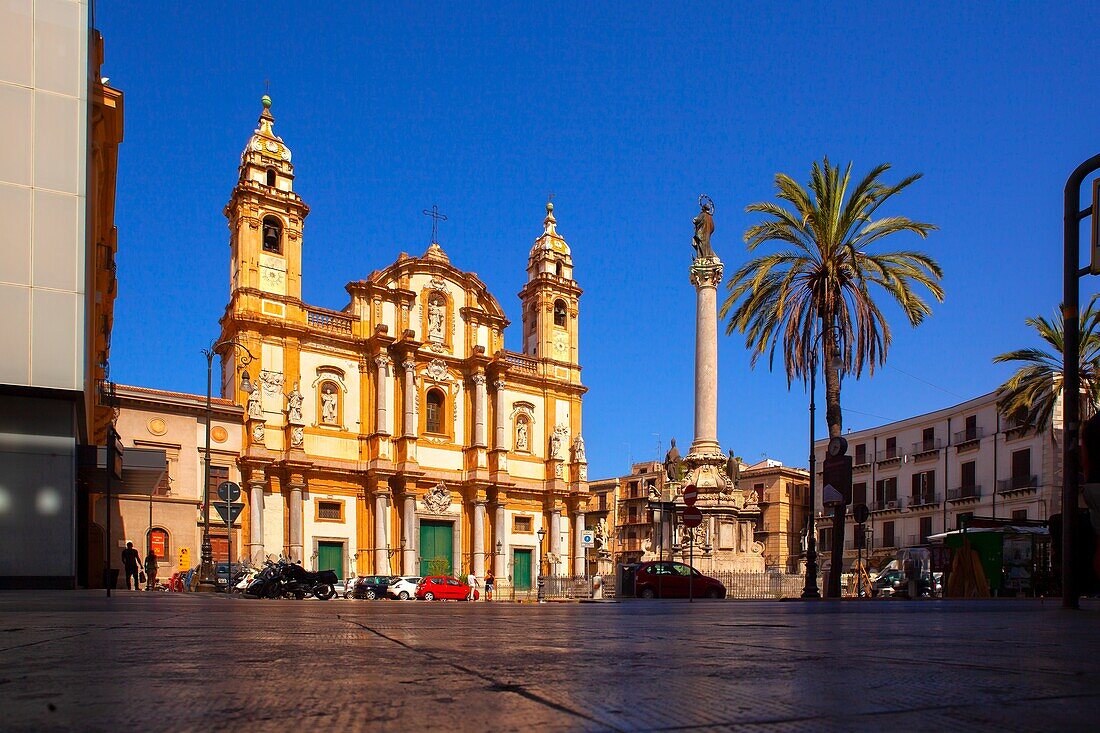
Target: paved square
x: 160, y: 661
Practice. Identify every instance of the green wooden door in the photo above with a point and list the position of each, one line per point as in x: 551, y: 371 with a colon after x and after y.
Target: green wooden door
x: 436, y: 547
x: 521, y: 569
x: 330, y: 556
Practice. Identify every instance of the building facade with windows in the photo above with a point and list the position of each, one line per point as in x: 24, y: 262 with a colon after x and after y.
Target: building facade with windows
x: 783, y: 493
x: 924, y: 475
x: 60, y: 127
x: 166, y: 431
x: 398, y: 435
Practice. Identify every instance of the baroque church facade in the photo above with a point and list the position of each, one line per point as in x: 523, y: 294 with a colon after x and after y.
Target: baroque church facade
x: 398, y: 435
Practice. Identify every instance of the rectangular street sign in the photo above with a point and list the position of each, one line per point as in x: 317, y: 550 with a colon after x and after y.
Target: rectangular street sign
x: 588, y: 539
x: 837, y: 472
x: 220, y: 506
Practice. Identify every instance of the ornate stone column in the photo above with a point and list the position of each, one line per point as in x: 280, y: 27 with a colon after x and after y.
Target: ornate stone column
x: 706, y: 274
x: 296, y: 484
x: 481, y: 406
x: 381, y: 416
x: 500, y: 559
x: 579, y: 566
x: 478, y: 548
x: 498, y: 423
x: 410, y: 399
x: 381, y: 541
x: 256, y: 483
x: 408, y: 523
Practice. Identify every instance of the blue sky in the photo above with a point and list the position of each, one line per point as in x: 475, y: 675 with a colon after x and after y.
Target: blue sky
x: 626, y: 113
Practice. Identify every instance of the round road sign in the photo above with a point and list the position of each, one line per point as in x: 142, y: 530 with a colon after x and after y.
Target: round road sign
x: 692, y: 517
x: 691, y: 495
x: 229, y: 491
x: 860, y: 512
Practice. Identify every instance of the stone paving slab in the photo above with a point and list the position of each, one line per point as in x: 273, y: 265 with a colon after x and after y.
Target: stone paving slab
x: 78, y: 661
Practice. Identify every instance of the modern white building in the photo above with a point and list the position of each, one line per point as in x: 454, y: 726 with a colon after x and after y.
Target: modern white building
x: 923, y: 475
x: 60, y: 126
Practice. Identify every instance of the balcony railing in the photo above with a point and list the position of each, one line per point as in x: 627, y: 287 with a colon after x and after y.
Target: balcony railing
x: 890, y: 454
x: 861, y: 459
x: 521, y: 363
x: 329, y: 320
x: 1016, y: 483
x: 926, y: 498
x: 964, y: 492
x: 926, y: 446
x: 888, y: 505
x: 969, y: 435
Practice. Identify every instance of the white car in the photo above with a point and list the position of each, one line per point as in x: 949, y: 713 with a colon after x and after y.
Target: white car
x: 343, y: 587
x: 403, y: 587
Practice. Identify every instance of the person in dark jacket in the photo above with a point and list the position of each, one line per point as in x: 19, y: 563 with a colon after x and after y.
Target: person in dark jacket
x: 131, y: 564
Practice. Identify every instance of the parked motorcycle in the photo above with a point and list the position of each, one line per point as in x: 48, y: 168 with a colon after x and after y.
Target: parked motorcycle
x: 301, y: 582
x: 284, y: 579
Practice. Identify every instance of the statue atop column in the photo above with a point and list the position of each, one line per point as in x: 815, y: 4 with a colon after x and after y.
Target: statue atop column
x: 704, y: 227
x: 672, y: 462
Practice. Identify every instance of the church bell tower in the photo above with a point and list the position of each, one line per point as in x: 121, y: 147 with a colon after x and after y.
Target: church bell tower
x: 265, y: 220
x: 550, y: 298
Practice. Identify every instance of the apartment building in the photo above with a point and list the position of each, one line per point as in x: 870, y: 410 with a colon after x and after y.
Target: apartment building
x: 925, y: 474
x: 783, y: 493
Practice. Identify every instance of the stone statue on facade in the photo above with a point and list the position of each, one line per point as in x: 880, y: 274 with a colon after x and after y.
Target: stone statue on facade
x: 521, y: 435
x: 436, y: 318
x: 255, y: 410
x: 555, y: 446
x: 672, y: 462
x: 294, y: 405
x: 578, y: 450
x: 704, y: 227
x: 328, y: 405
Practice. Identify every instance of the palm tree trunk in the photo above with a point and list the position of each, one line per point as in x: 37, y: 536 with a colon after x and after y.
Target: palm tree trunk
x: 831, y: 356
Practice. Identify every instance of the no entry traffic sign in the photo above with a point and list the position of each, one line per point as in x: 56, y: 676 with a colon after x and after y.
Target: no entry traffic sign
x: 692, y: 517
x: 691, y: 495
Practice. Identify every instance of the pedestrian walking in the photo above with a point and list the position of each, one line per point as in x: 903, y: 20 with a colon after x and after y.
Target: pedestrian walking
x: 150, y: 570
x: 471, y: 580
x: 490, y: 579
x: 131, y: 564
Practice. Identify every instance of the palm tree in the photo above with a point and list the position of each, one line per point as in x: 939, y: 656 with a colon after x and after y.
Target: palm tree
x: 821, y: 280
x: 820, y: 284
x: 1032, y: 392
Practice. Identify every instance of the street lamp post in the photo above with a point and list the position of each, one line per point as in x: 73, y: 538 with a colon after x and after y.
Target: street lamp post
x: 1073, y: 215
x: 542, y: 536
x: 810, y: 589
x: 207, y: 581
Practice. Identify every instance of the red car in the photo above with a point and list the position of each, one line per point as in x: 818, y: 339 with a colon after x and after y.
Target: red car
x: 441, y: 587
x: 674, y: 580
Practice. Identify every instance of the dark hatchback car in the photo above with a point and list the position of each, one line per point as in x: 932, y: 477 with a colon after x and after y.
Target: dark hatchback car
x: 674, y: 580
x: 369, y: 587
x: 223, y: 573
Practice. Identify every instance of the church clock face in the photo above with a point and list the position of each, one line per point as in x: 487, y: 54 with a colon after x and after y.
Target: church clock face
x: 561, y: 345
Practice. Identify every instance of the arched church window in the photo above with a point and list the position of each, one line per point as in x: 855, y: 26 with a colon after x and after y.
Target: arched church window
x: 273, y: 235
x: 559, y: 313
x: 330, y: 403
x: 271, y: 177
x: 434, y: 412
x: 559, y: 270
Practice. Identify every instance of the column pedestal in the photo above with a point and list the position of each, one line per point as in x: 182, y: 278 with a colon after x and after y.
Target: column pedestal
x: 256, y: 519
